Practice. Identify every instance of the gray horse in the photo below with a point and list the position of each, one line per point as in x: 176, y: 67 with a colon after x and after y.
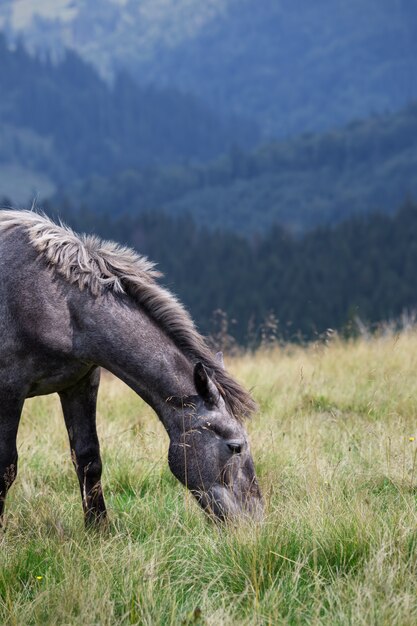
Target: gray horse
x: 71, y: 304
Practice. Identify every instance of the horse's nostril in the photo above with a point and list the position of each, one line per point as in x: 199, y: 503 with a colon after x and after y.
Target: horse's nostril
x: 234, y: 447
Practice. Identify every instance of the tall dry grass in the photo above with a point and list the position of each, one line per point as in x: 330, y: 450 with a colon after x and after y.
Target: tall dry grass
x: 336, y: 457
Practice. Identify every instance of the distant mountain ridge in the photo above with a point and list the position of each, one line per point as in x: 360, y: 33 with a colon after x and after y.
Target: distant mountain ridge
x: 65, y: 122
x: 291, y: 65
x: 297, y: 65
x: 107, y: 32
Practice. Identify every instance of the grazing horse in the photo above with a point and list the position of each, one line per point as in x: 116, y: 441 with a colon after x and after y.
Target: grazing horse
x: 70, y: 304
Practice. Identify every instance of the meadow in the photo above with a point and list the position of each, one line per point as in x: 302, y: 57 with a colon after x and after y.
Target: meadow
x: 335, y: 446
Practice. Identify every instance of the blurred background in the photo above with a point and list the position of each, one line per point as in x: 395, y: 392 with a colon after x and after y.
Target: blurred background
x: 263, y: 152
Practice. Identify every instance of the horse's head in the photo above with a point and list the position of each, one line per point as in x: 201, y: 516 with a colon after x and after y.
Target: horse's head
x: 209, y: 453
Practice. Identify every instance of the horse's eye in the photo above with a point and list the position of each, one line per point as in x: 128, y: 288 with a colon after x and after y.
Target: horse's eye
x: 235, y: 447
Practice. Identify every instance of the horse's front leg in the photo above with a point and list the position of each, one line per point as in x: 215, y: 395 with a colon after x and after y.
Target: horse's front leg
x: 10, y: 410
x: 79, y: 407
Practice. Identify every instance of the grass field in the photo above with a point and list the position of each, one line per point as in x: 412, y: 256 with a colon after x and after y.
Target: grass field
x: 335, y: 445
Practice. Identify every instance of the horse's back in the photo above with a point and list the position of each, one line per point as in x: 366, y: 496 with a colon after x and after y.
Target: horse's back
x: 35, y: 321
x: 28, y: 294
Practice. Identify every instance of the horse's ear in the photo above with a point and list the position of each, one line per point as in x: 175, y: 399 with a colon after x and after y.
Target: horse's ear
x: 204, y: 385
x: 220, y: 360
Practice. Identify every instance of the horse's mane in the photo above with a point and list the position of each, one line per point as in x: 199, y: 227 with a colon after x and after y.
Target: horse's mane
x: 91, y: 263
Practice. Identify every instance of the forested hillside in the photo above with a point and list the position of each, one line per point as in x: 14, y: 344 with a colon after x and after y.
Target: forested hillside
x: 63, y: 121
x: 292, y: 65
x: 363, y: 267
x: 315, y: 179
x: 298, y: 65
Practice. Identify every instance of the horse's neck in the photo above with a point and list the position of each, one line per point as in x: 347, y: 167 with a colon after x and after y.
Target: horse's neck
x: 129, y: 344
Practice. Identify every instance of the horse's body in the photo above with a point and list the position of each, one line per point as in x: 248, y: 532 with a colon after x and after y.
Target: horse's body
x: 70, y: 305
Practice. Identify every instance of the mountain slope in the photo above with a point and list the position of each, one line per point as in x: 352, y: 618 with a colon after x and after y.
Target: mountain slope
x: 105, y: 31
x: 64, y: 121
x: 292, y: 65
x: 299, y: 65
x: 298, y: 183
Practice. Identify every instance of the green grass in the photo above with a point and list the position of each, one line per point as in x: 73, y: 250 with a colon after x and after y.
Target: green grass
x: 338, y: 470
